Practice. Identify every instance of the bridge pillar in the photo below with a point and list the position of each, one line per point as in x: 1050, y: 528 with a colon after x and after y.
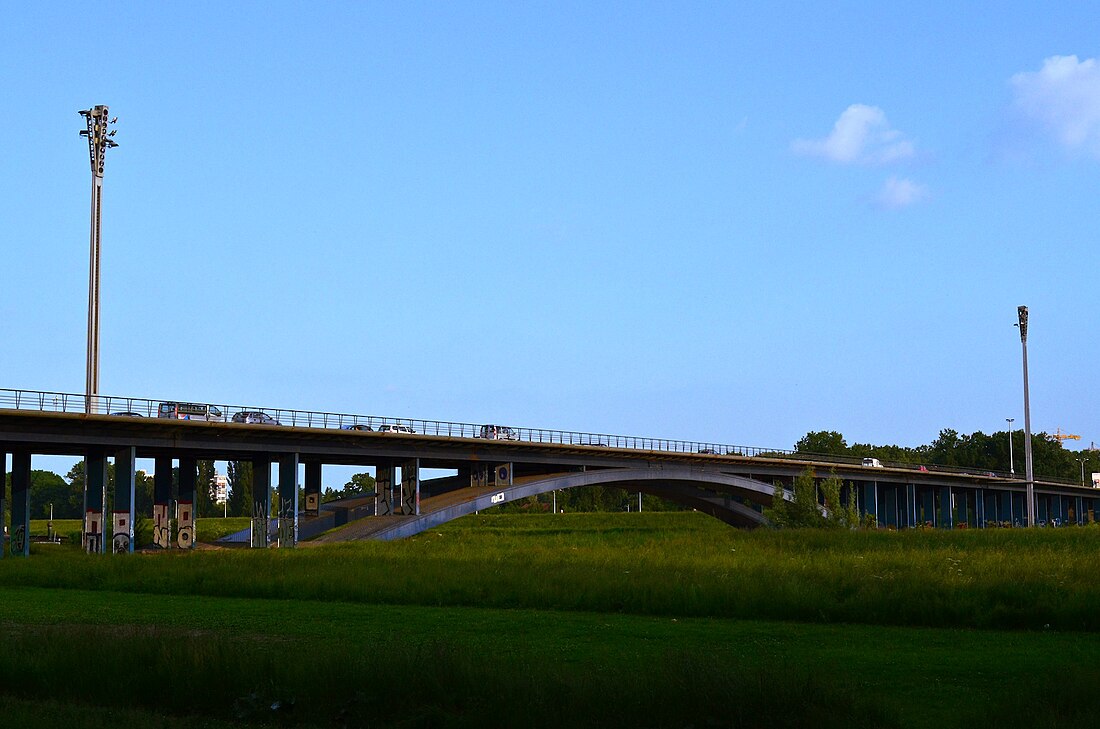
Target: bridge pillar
x: 185, y: 504
x: 1079, y: 511
x: 870, y: 499
x: 890, y: 507
x: 95, y: 489
x: 288, y: 500
x: 961, y: 512
x: 910, y: 505
x: 383, y: 486
x: 410, y: 486
x: 313, y: 488
x: 122, y: 540
x: 21, y: 503
x: 3, y: 494
x: 261, y: 501
x: 989, y: 506
x: 479, y: 476
x: 162, y: 502
x: 945, y: 508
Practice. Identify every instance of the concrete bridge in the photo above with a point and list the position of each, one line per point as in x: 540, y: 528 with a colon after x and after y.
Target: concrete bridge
x: 492, y: 465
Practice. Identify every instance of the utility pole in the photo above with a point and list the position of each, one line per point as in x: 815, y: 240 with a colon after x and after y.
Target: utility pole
x: 99, y: 141
x: 1021, y: 311
x: 1011, y: 467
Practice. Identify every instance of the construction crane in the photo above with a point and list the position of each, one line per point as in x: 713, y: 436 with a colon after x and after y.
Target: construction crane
x: 1065, y: 436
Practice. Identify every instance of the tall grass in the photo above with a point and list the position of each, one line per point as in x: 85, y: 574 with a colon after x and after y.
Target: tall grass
x: 656, y: 564
x: 397, y: 683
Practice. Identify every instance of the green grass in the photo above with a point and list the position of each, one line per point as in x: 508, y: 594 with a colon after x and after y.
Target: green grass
x: 651, y: 564
x: 568, y: 620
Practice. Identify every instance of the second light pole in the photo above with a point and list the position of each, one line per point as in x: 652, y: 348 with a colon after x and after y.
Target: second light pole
x: 1022, y: 313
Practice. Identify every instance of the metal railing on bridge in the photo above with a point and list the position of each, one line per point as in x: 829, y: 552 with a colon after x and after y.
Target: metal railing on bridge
x: 61, y: 402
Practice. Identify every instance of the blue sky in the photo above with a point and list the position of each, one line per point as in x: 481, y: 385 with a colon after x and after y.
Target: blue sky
x: 726, y: 222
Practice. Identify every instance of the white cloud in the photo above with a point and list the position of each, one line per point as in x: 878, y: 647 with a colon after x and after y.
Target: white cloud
x: 899, y: 193
x: 1063, y: 97
x: 861, y: 135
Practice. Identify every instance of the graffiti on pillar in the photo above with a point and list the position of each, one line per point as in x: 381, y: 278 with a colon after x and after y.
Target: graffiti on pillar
x: 479, y: 476
x: 313, y: 503
x: 162, y: 530
x: 286, y: 523
x: 18, y: 540
x: 502, y: 475
x: 410, y: 486
x: 259, y: 524
x: 93, y: 531
x: 185, y: 535
x: 383, y: 486
x: 121, y: 540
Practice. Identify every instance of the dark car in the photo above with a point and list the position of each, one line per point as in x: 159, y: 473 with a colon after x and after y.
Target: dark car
x: 127, y: 414
x: 358, y: 426
x: 254, y: 417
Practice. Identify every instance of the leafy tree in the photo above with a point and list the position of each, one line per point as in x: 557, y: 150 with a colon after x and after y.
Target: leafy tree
x: 239, y: 474
x: 360, y: 483
x: 204, y: 483
x: 823, y: 442
x: 840, y: 513
x: 803, y: 508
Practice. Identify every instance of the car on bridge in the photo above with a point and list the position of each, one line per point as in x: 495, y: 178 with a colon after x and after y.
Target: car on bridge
x: 127, y: 414
x: 254, y: 417
x: 498, y: 432
x: 357, y: 426
x: 392, y: 428
x: 190, y: 411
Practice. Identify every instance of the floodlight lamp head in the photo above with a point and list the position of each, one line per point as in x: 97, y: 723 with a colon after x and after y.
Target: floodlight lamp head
x: 1022, y: 313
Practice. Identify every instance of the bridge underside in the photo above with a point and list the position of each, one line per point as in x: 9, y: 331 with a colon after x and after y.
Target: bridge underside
x: 736, y: 500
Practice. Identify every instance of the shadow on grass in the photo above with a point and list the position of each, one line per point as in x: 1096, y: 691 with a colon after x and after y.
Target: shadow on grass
x: 260, y: 680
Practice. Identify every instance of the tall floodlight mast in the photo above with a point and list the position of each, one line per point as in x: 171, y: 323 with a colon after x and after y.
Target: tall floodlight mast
x: 99, y: 141
x: 1028, y: 470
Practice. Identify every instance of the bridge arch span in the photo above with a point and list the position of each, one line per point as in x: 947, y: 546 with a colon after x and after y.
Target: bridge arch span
x: 708, y: 491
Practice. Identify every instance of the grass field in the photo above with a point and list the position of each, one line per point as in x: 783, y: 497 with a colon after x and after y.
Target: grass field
x: 566, y: 620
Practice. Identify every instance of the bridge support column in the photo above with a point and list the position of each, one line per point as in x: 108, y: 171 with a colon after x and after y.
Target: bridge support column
x: 261, y: 501
x: 946, y: 521
x: 313, y: 488
x: 95, y: 490
x: 1079, y: 511
x: 288, y: 500
x: 122, y: 539
x: 185, y: 504
x: 383, y: 486
x: 410, y: 486
x: 910, y: 505
x: 870, y: 500
x: 890, y: 507
x: 162, y: 502
x: 21, y: 503
x: 3, y: 493
x: 979, y: 508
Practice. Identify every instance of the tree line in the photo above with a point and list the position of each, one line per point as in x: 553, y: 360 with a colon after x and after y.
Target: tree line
x: 978, y: 451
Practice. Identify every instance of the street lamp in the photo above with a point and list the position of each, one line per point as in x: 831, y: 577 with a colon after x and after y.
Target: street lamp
x: 1082, y: 461
x: 99, y: 141
x: 1021, y: 311
x: 1011, y: 469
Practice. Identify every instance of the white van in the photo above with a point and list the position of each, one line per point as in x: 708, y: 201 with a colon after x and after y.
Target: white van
x: 190, y: 411
x: 872, y: 462
x: 498, y: 432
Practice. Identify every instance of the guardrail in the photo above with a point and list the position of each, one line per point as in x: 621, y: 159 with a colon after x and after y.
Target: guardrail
x: 62, y: 402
